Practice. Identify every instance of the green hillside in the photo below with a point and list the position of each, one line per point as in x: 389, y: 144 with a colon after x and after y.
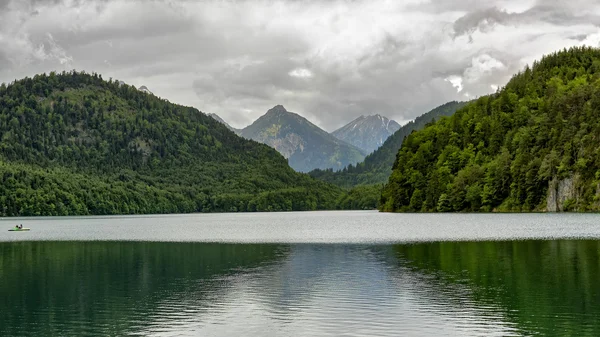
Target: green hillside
x: 73, y: 143
x: 531, y: 146
x: 376, y: 168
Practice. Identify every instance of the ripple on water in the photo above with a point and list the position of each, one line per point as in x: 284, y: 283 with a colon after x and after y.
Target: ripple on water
x: 190, y: 289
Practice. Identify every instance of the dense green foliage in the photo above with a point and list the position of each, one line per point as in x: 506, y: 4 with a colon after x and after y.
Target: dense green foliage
x: 305, y: 145
x: 72, y: 143
x: 503, y: 151
x: 361, y: 197
x: 376, y: 168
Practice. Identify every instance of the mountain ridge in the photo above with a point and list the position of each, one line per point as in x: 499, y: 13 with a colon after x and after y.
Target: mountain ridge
x: 222, y: 121
x: 305, y: 145
x: 75, y: 144
x: 531, y: 146
x: 367, y: 132
x: 376, y: 167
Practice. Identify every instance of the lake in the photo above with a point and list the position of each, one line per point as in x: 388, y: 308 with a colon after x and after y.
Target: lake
x: 302, y: 274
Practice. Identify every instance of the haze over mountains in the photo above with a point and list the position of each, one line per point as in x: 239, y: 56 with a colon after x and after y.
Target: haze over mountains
x: 309, y: 147
x: 73, y: 143
x: 377, y: 166
x: 305, y: 145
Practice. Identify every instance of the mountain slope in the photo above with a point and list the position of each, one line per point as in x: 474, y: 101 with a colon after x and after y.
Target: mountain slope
x: 220, y: 120
x: 304, y: 144
x: 377, y: 166
x: 367, y: 132
x: 73, y: 143
x: 531, y: 146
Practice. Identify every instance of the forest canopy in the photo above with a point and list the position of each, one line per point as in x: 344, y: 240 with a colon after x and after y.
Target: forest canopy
x: 74, y: 143
x: 377, y: 166
x: 532, y: 146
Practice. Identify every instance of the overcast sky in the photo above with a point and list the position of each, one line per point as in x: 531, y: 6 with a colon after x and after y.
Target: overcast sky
x: 330, y: 61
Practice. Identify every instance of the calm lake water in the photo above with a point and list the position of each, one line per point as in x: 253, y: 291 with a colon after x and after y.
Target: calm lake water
x: 302, y: 274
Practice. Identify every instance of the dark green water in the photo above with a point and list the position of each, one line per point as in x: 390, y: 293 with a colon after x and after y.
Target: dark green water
x: 549, y: 288
x: 449, y: 288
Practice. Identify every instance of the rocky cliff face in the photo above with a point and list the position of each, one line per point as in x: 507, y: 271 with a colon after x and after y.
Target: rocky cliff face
x: 563, y: 195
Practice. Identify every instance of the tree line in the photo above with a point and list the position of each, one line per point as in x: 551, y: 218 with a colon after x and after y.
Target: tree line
x: 503, y: 151
x: 74, y: 143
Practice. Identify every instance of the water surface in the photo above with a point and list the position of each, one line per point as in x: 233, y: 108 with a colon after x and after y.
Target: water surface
x: 308, y: 227
x: 324, y: 274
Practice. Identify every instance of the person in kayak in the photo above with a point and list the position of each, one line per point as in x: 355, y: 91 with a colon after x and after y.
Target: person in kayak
x: 21, y: 226
x: 17, y: 227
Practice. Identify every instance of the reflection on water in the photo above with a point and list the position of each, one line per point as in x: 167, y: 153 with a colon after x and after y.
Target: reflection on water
x: 545, y: 287
x: 95, y: 288
x: 161, y: 289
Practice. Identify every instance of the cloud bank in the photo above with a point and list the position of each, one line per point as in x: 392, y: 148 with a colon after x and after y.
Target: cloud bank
x: 330, y: 61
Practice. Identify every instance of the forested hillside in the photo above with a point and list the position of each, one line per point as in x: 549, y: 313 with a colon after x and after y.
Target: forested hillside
x: 377, y: 167
x: 73, y: 143
x: 531, y: 146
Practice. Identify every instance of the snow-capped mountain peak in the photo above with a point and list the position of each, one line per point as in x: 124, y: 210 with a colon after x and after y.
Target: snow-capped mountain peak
x: 367, y: 132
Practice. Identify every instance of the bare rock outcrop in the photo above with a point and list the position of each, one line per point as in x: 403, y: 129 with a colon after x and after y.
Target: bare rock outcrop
x: 562, y: 194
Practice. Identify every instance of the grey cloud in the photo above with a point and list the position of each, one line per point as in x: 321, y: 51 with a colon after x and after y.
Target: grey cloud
x: 4, y: 60
x: 579, y: 37
x: 549, y: 11
x: 443, y: 6
x: 235, y: 58
x: 561, y: 15
x: 480, y: 19
x: 332, y: 98
x: 152, y: 20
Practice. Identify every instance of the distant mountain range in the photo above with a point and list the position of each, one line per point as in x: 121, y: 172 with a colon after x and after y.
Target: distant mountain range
x: 308, y: 147
x: 114, y: 149
x: 377, y: 166
x: 305, y: 145
x: 367, y: 132
x: 220, y: 120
